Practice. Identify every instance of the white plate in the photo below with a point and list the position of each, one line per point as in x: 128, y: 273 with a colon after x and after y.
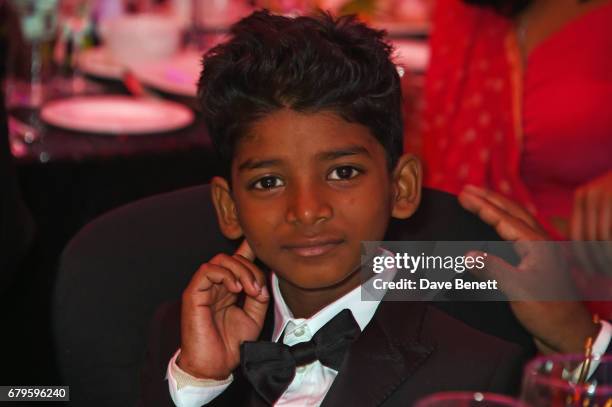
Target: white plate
x: 177, y: 75
x: 413, y: 55
x: 116, y: 115
x: 99, y: 62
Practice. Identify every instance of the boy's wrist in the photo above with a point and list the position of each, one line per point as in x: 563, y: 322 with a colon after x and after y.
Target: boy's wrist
x: 186, y: 376
x: 184, y: 366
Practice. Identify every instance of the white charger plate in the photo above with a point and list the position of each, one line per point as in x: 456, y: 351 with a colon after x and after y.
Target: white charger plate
x: 177, y: 75
x: 114, y: 115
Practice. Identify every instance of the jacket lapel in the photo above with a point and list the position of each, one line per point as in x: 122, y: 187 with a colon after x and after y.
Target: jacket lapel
x: 387, y: 353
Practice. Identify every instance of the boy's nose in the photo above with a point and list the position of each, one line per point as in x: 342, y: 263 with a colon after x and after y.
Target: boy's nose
x: 308, y: 206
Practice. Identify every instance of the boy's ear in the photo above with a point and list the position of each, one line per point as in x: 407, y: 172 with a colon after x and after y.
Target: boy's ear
x: 406, y: 187
x: 225, y: 208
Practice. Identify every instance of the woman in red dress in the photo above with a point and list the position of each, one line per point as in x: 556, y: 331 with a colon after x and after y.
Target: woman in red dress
x: 518, y: 99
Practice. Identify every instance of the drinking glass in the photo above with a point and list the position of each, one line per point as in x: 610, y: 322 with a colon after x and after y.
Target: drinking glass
x: 568, y: 381
x: 30, y: 54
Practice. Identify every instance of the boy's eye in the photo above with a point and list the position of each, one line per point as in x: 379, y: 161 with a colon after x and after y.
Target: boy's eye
x: 267, y: 183
x: 344, y: 172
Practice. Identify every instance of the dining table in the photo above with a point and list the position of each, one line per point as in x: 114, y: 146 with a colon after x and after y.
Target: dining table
x: 69, y: 177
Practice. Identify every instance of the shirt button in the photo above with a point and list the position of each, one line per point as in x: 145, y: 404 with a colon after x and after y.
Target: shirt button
x: 299, y: 332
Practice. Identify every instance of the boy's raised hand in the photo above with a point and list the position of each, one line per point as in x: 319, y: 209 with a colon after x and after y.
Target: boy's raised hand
x: 213, y: 324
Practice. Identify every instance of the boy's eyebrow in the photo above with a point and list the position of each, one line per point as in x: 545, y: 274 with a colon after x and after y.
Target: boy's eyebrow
x: 253, y: 164
x: 343, y: 152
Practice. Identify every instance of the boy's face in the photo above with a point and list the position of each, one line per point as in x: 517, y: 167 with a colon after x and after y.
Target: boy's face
x: 306, y: 190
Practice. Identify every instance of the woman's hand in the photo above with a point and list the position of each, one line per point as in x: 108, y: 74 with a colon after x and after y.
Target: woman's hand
x: 557, y: 326
x: 510, y: 220
x: 592, y: 214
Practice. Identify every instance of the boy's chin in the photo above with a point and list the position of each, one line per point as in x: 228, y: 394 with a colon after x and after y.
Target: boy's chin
x: 322, y: 282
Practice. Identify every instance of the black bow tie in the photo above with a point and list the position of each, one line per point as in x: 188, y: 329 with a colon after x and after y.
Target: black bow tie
x: 270, y: 366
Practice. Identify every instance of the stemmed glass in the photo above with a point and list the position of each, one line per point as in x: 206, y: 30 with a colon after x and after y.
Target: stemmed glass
x: 30, y: 68
x: 76, y: 31
x: 30, y: 54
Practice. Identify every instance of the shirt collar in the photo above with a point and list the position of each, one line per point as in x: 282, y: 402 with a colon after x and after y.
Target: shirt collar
x: 362, y: 310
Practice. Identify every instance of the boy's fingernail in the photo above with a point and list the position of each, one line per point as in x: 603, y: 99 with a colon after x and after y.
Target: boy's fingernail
x: 239, y: 285
x: 264, y: 292
x: 256, y: 285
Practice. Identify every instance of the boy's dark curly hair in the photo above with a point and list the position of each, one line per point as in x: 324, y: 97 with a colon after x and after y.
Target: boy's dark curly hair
x: 308, y: 64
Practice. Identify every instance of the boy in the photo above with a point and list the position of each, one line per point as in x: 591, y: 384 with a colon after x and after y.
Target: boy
x: 307, y: 114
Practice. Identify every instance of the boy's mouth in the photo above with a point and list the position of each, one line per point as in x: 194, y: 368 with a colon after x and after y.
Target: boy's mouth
x: 313, y: 247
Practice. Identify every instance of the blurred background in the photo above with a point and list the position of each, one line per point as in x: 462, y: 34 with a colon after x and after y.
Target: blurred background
x: 100, y: 110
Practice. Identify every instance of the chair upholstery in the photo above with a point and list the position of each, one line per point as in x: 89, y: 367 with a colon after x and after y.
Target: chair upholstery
x: 120, y: 267
x: 112, y: 276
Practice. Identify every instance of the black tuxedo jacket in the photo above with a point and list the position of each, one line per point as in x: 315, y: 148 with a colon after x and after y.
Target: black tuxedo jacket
x: 407, y: 351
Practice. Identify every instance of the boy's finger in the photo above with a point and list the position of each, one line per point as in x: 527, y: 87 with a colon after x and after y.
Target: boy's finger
x: 240, y: 271
x: 256, y: 306
x: 260, y: 276
x: 200, y: 280
x: 245, y: 251
x: 225, y: 277
x: 214, y: 298
x: 199, y: 291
